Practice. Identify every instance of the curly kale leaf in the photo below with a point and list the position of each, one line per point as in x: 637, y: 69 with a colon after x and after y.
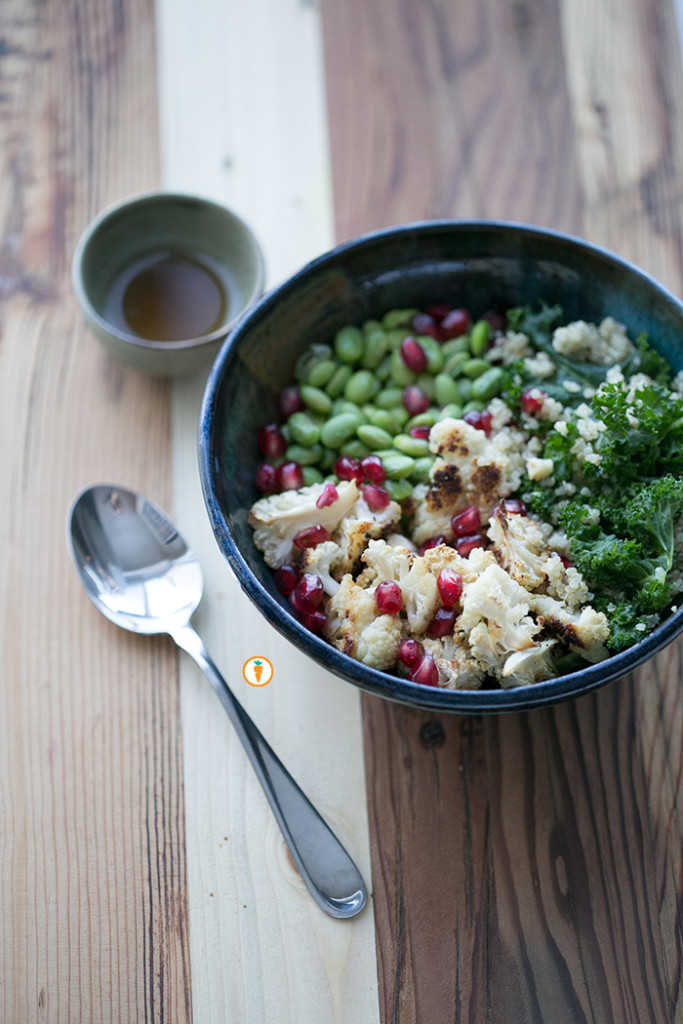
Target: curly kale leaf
x: 643, y: 435
x: 647, y: 359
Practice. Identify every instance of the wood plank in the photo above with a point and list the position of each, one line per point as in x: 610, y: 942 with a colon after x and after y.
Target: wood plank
x: 525, y: 868
x: 261, y: 950
x: 93, y: 918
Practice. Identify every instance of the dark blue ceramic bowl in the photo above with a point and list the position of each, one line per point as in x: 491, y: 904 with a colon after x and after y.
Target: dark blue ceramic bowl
x: 480, y: 265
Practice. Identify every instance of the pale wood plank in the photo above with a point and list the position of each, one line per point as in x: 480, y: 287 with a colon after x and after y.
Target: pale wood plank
x: 261, y: 951
x: 92, y: 919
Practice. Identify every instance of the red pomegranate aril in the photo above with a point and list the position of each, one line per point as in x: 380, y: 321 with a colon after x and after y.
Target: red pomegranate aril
x: 327, y: 496
x: 413, y: 355
x: 290, y: 401
x: 442, y: 623
x: 415, y: 401
x: 410, y: 652
x: 309, y: 591
x: 515, y: 506
x: 372, y: 469
x: 266, y: 478
x: 425, y: 672
x: 566, y: 562
x: 376, y: 497
x: 286, y: 579
x: 314, y: 620
x: 454, y: 324
x: 348, y: 468
x: 438, y: 311
x: 423, y: 323
x: 479, y: 420
x: 496, y: 320
x: 465, y: 545
x: 431, y: 542
x: 421, y: 432
x: 310, y: 537
x: 389, y: 598
x: 467, y: 521
x: 449, y: 583
x: 290, y: 476
x: 271, y: 440
x: 532, y: 401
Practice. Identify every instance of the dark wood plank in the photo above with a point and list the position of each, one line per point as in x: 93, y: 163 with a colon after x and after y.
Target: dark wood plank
x: 528, y: 867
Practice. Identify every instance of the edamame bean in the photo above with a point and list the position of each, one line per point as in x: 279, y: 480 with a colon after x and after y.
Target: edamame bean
x: 423, y: 467
x: 388, y: 398
x: 339, y: 429
x: 423, y: 419
x: 336, y: 384
x: 371, y: 325
x: 385, y: 419
x: 401, y: 376
x: 361, y: 387
x: 426, y: 382
x: 451, y: 411
x: 312, y: 476
x: 445, y: 389
x: 303, y: 430
x: 316, y: 399
x: 465, y: 389
x: 304, y: 456
x: 395, y: 337
x: 454, y: 345
x: 416, y: 447
x: 398, y: 490
x: 373, y: 437
x: 307, y: 360
x: 475, y: 367
x: 398, y: 318
x: 489, y: 385
x: 434, y: 353
x: 474, y: 405
x: 327, y: 460
x: 398, y: 466
x: 342, y: 405
x: 455, y: 362
x: 355, y: 447
x: 383, y: 371
x: 375, y: 348
x: 479, y: 337
x: 321, y: 373
x: 348, y: 344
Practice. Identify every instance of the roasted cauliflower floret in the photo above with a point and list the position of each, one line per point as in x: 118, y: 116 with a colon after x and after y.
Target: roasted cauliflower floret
x: 522, y: 668
x: 495, y: 620
x: 355, y: 627
x: 278, y: 518
x: 411, y: 572
x: 457, y: 670
x: 585, y: 631
x: 322, y: 560
x: 519, y: 547
x: 360, y: 525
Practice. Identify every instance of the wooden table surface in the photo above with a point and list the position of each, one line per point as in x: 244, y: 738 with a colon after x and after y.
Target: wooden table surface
x: 525, y: 868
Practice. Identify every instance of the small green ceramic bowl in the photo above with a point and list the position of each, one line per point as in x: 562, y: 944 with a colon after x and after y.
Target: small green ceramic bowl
x: 142, y: 237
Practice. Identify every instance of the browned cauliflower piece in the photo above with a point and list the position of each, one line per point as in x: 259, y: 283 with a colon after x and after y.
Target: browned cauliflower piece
x: 355, y: 627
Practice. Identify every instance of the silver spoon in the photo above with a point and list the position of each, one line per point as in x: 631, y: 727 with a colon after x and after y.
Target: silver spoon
x: 139, y: 572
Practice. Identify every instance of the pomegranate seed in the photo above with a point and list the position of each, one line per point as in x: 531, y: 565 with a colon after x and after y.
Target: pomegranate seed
x: 410, y: 652
x: 442, y: 623
x: 495, y: 319
x: 311, y: 536
x: 315, y: 620
x: 438, y: 311
x: 431, y: 542
x: 348, y: 468
x: 286, y: 579
x: 449, y: 583
x: 290, y: 401
x: 479, y: 420
x: 454, y: 324
x: 327, y: 496
x: 566, y: 562
x: 422, y: 432
x: 309, y: 592
x: 425, y: 672
x: 415, y: 401
x: 514, y: 506
x: 413, y: 355
x: 389, y: 597
x: 423, y: 323
x: 373, y: 469
x: 290, y: 476
x: 376, y: 497
x: 464, y: 545
x: 532, y: 400
x: 266, y: 478
x: 466, y: 521
x: 271, y: 440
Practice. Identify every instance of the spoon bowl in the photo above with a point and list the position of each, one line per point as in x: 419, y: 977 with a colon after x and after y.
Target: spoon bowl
x: 140, y: 573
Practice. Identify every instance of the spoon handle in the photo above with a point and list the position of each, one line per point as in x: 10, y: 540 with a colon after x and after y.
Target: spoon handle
x: 331, y: 876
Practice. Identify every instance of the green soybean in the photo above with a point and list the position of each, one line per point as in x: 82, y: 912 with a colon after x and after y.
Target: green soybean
x: 474, y: 405
x: 398, y: 318
x: 361, y: 387
x: 371, y: 325
x: 455, y: 362
x: 445, y: 389
x: 465, y: 389
x: 433, y: 351
x: 406, y: 444
x: 425, y: 381
x: 479, y: 337
x: 385, y: 419
x: 423, y: 467
x: 316, y: 399
x: 490, y: 384
x: 398, y: 490
x: 304, y: 456
x: 398, y: 466
x: 461, y: 344
x: 349, y: 344
x: 327, y: 460
x: 453, y: 410
x: 375, y: 348
x: 321, y: 373
x: 423, y: 419
x: 355, y: 447
x: 388, y: 398
x: 313, y: 355
x: 337, y: 382
x: 373, y: 437
x: 400, y: 374
x: 475, y: 367
x: 396, y: 336
x: 303, y: 430
x: 312, y: 476
x: 383, y: 371
x: 339, y: 429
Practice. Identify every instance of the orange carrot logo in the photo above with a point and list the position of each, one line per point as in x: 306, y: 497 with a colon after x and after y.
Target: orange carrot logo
x: 257, y: 671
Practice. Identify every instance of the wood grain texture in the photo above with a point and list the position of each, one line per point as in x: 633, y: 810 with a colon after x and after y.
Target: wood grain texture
x: 93, y: 915
x: 526, y: 868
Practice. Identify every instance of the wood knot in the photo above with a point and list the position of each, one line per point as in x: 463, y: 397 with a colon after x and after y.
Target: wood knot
x: 432, y: 735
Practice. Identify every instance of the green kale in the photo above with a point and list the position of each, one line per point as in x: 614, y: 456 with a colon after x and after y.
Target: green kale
x: 644, y: 435
x: 647, y: 359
